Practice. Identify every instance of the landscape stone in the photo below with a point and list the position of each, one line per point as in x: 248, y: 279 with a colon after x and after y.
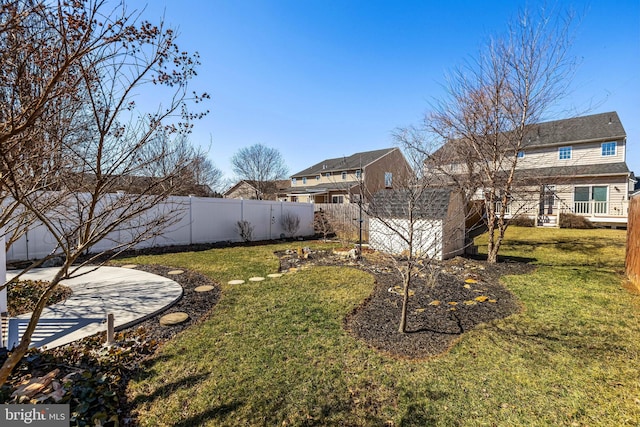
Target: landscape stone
x: 173, y: 318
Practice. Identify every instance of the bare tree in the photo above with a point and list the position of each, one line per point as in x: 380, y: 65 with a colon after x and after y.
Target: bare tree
x: 491, y: 105
x: 36, y: 105
x: 200, y: 178
x: 416, y: 224
x: 259, y: 164
x: 105, y: 174
x: 205, y: 173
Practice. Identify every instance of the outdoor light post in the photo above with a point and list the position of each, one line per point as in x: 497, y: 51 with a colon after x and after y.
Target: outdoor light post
x: 360, y: 228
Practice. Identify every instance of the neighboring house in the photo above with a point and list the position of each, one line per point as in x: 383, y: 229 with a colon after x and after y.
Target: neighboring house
x: 438, y: 217
x: 342, y: 180
x: 574, y: 166
x: 248, y: 190
x: 184, y: 186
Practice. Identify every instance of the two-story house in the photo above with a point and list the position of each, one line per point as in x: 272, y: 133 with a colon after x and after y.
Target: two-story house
x: 344, y: 179
x: 575, y: 165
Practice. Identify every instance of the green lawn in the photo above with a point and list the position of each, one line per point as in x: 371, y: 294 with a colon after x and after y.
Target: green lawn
x: 274, y: 352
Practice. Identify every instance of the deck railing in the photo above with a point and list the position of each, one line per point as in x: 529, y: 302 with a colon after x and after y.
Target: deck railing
x: 590, y: 208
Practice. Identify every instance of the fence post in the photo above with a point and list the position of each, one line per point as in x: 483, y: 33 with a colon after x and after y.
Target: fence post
x: 110, y: 329
x: 191, y: 219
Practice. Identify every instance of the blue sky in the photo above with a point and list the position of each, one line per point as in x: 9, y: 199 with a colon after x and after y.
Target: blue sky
x: 320, y: 79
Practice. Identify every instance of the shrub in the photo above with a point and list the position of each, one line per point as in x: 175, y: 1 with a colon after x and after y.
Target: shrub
x: 245, y: 229
x: 522, y: 221
x: 321, y: 225
x: 290, y: 223
x: 568, y: 220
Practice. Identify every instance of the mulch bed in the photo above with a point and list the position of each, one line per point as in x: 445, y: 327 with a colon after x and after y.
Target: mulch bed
x: 197, y: 304
x: 438, y: 313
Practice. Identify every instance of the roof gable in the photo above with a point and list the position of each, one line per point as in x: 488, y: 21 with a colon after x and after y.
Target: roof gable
x: 339, y: 164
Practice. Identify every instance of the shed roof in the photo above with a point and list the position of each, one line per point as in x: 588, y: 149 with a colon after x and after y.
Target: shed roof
x: 424, y: 203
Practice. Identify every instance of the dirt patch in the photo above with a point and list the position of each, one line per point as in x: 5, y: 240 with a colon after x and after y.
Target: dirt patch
x: 464, y: 294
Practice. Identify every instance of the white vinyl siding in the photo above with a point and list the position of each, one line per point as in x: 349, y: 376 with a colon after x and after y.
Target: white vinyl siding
x: 581, y: 154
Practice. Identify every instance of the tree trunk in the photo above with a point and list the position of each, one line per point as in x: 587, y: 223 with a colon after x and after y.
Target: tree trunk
x: 402, y: 328
x: 21, y: 349
x: 492, y: 249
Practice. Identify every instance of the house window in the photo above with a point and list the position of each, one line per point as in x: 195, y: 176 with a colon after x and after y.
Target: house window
x: 608, y: 149
x: 304, y: 180
x: 521, y: 154
x: 328, y: 174
x: 337, y: 199
x: 388, y: 179
x: 293, y: 181
x: 317, y: 177
x: 358, y: 174
x: 564, y: 153
x: 344, y: 176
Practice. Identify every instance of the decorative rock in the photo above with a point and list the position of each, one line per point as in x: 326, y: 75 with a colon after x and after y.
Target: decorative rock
x: 204, y: 288
x: 274, y: 275
x: 129, y: 266
x: 173, y: 318
x: 175, y: 272
x: 235, y: 282
x: 256, y: 279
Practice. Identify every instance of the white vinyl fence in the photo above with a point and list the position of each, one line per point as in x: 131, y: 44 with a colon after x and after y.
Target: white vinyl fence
x: 203, y: 220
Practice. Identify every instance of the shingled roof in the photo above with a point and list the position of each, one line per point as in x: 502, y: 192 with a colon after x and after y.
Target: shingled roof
x: 430, y: 203
x: 601, y: 169
x: 339, y: 164
x: 596, y: 127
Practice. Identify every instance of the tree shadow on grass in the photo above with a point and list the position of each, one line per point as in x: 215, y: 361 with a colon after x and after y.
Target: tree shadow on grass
x: 167, y: 389
x: 418, y: 415
x: 505, y: 258
x: 421, y: 414
x: 216, y: 412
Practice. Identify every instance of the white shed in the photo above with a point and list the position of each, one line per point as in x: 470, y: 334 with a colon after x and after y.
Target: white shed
x: 432, y: 218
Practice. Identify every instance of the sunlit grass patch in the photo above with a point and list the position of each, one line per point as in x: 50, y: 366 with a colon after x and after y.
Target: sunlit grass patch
x: 276, y: 353
x: 555, y: 246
